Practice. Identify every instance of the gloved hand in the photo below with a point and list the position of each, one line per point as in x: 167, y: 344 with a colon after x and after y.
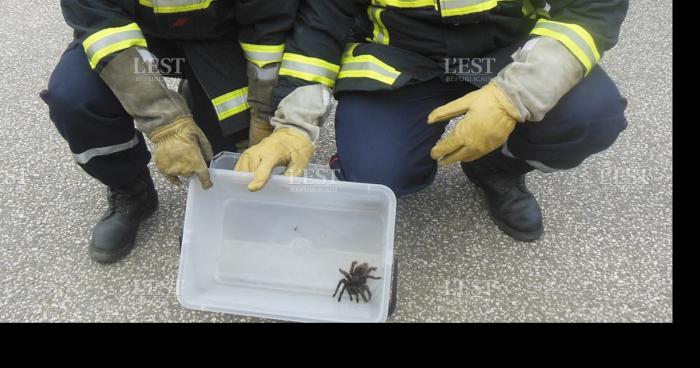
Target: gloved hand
x: 181, y: 149
x: 259, y: 129
x: 286, y: 146
x: 162, y: 114
x: 490, y: 120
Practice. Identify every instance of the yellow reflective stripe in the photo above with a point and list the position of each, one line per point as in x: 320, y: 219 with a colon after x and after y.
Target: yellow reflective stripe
x: 535, y: 9
x: 381, y: 33
x: 231, y: 103
x: 309, y: 69
x: 95, y: 37
x: 262, y: 55
x: 111, y: 40
x: 350, y: 50
x: 406, y: 3
x: 450, y: 8
x: 176, y: 6
x: 542, y: 13
x: 528, y: 9
x: 574, y: 37
x: 367, y: 66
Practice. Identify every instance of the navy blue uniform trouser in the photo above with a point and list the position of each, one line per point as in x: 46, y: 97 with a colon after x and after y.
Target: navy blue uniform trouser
x: 100, y: 133
x: 383, y: 137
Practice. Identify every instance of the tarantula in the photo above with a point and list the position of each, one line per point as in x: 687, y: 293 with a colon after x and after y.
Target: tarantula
x: 355, y: 282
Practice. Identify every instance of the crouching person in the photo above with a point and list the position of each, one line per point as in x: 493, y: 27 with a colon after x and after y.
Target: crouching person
x: 548, y: 106
x: 107, y: 92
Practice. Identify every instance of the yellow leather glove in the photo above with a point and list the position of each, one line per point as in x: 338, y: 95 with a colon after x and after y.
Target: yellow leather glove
x: 181, y: 149
x: 490, y: 120
x: 286, y: 146
x: 259, y: 129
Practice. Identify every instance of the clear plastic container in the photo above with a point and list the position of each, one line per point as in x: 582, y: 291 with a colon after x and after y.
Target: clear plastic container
x: 276, y: 253
x: 228, y: 160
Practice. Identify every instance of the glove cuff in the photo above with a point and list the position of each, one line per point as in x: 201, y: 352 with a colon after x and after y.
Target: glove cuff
x: 305, y: 109
x: 261, y: 87
x: 145, y: 97
x: 505, y: 103
x: 541, y: 73
x: 297, y: 135
x: 173, y: 129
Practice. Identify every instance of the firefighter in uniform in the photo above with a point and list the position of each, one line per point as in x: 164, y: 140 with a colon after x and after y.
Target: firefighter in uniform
x: 522, y: 72
x: 108, y: 90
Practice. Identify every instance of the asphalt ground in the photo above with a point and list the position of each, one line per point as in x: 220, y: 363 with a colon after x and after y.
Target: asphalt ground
x: 606, y: 254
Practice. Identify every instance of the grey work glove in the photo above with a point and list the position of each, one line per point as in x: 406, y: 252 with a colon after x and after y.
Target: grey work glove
x: 259, y: 129
x: 145, y: 96
x: 181, y: 148
x: 297, y: 123
x: 305, y: 109
x: 261, y: 86
x: 542, y: 72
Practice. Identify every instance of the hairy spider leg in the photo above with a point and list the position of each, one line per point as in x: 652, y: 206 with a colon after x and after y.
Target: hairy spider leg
x: 345, y: 274
x: 362, y: 292
x: 370, y: 271
x: 342, y: 281
x: 352, y: 266
x: 345, y: 286
x: 369, y: 293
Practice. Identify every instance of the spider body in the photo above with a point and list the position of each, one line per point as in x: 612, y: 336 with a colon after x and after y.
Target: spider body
x: 355, y: 282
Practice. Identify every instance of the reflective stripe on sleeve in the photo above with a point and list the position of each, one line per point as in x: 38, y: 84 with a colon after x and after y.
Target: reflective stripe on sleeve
x: 111, y: 40
x: 450, y: 8
x: 231, y: 103
x: 574, y: 37
x: 175, y: 6
x: 262, y: 55
x: 380, y: 33
x: 309, y: 69
x: 367, y: 66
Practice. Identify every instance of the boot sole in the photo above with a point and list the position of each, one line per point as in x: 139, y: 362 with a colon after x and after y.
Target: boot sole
x: 513, y: 233
x: 113, y: 257
x: 110, y: 257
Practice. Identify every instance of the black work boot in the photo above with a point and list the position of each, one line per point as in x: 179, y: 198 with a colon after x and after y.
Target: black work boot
x: 114, y: 235
x: 513, y: 208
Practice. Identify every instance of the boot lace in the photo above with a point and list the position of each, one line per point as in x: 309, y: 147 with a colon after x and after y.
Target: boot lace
x: 117, y: 201
x: 506, y: 181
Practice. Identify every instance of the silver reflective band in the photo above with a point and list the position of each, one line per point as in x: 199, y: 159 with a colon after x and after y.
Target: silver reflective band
x: 536, y: 164
x: 85, y: 157
x: 364, y: 66
x: 541, y: 167
x: 113, y: 39
x: 176, y: 6
x: 264, y: 56
x: 381, y: 38
x: 457, y: 4
x: 310, y: 69
x: 164, y: 3
x: 382, y: 34
x: 231, y: 104
x: 573, y: 36
x: 231, y: 107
